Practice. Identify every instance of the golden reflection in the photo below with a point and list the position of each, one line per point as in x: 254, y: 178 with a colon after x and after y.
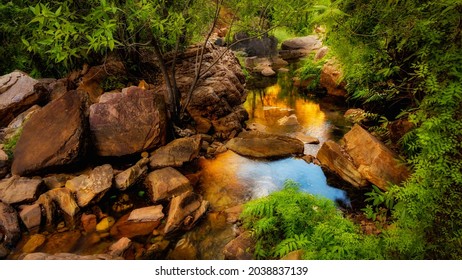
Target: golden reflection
x: 267, y: 106
x: 219, y: 180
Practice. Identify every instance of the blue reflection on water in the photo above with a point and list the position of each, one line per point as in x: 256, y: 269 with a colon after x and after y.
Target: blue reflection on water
x: 266, y: 177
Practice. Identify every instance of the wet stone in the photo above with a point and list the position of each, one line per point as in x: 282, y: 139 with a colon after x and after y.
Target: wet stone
x: 17, y: 190
x: 181, y: 207
x: 130, y: 229
x: 176, y: 153
x: 118, y: 249
x: 31, y: 216
x: 89, y: 222
x: 165, y: 183
x: 33, y: 243
x: 9, y: 225
x: 146, y: 214
x: 63, y: 242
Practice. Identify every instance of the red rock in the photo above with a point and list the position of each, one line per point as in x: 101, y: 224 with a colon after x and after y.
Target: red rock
x: 88, y: 222
x: 165, y: 183
x: 130, y: 122
x: 54, y: 137
x: 125, y: 228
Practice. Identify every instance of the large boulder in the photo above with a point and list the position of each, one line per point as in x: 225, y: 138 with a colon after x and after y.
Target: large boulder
x: 17, y: 190
x: 92, y: 187
x: 54, y: 137
x: 376, y: 162
x: 298, y: 47
x: 331, y: 79
x: 165, y: 183
x: 16, y: 95
x: 332, y: 156
x: 128, y: 122
x: 176, y: 153
x: 218, y: 93
x: 263, y: 145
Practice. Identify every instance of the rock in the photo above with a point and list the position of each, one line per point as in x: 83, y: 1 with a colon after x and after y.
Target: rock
x: 68, y: 256
x: 57, y: 181
x: 62, y: 242
x: 190, y: 221
x: 15, y: 190
x: 356, y: 115
x: 118, y: 249
x: 293, y: 256
x: 233, y: 213
x: 182, y: 206
x: 18, y: 123
x: 9, y: 225
x: 184, y: 250
x: 3, y: 163
x: 262, y: 145
x: 92, y: 80
x: 332, y: 156
x: 146, y: 214
x: 62, y: 137
x: 64, y: 199
x: 176, y: 153
x: 265, y: 46
x: 226, y: 126
x: 31, y: 216
x: 58, y: 88
x: 16, y: 95
x: 33, y: 243
x: 220, y: 93
x: 89, y: 222
x: 306, y: 138
x: 268, y: 72
x: 165, y: 183
x: 132, y: 175
x: 105, y: 224
x: 331, y: 79
x: 131, y: 229
x: 377, y: 163
x: 48, y: 206
x: 309, y: 43
x: 288, y: 121
x: 311, y: 159
x: 91, y: 188
x: 240, y: 248
x: 132, y: 121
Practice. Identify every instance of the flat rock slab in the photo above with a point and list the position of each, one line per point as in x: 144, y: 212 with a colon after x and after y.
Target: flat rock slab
x: 9, y: 225
x: 176, y: 153
x: 129, y: 122
x: 68, y: 256
x: 16, y: 95
x: 263, y: 145
x: 17, y: 190
x: 165, y: 183
x: 54, y: 137
x: 130, y: 229
x: 146, y: 214
x: 91, y: 187
x: 309, y: 43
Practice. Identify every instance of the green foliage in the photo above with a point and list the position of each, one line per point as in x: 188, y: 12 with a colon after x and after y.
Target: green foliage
x: 311, y: 71
x: 405, y: 56
x: 10, y: 143
x: 289, y: 220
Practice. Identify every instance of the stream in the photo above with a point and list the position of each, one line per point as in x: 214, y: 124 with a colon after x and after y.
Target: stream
x: 229, y: 180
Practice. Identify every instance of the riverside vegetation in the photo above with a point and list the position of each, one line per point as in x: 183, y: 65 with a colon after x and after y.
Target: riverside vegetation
x: 401, y: 62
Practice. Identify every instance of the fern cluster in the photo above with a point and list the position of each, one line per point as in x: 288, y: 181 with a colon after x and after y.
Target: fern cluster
x: 290, y: 220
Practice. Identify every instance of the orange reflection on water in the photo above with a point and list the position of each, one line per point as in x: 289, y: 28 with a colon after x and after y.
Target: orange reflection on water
x: 267, y: 106
x: 219, y: 181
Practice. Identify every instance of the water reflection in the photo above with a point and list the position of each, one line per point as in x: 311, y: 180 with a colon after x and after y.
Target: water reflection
x: 230, y: 179
x: 268, y: 106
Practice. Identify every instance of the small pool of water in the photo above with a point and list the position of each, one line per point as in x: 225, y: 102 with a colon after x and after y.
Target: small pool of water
x: 231, y: 179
